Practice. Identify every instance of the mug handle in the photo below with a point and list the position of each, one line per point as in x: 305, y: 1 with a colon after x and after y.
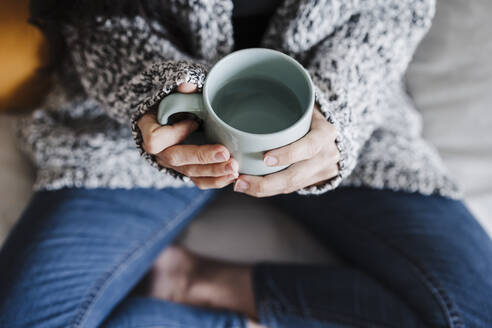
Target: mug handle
x: 180, y: 103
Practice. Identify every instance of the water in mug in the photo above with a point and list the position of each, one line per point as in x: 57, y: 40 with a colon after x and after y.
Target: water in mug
x: 257, y: 105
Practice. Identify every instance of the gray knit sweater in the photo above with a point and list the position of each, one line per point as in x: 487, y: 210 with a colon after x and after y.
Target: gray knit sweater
x: 356, y: 51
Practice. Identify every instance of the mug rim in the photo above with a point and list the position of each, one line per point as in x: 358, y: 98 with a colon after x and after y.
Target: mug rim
x: 299, y: 121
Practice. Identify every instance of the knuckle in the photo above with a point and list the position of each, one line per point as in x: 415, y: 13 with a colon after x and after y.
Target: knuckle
x: 150, y: 145
x: 169, y: 158
x: 201, y: 155
x: 291, y: 185
x: 289, y: 189
x: 199, y: 184
x: 218, y: 169
x: 312, y: 149
x: 330, y: 171
x: 292, y: 182
x: 146, y: 147
x: 326, y: 171
x: 219, y: 183
x: 290, y: 156
x: 263, y: 189
x: 161, y: 162
x: 257, y: 194
x: 187, y: 127
x: 259, y: 189
x: 188, y: 171
x: 215, y: 183
x: 178, y: 134
x: 325, y: 156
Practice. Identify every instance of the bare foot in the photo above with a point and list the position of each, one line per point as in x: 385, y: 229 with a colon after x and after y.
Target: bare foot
x: 172, y: 275
x: 253, y: 324
x: 183, y: 277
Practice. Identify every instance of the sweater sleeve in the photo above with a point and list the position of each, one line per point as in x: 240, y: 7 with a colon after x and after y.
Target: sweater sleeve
x: 128, y: 65
x: 369, y: 48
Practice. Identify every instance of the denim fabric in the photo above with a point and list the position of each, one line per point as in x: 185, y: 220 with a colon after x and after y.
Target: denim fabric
x: 76, y: 254
x: 411, y: 261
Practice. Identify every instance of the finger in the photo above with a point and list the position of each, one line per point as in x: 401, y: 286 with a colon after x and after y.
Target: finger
x: 324, y: 176
x: 320, y: 122
x: 306, y: 147
x: 187, y: 88
x: 156, y: 137
x: 331, y: 156
x: 276, y: 183
x: 180, y: 155
x: 297, y: 176
x: 213, y: 182
x: 210, y: 170
x: 328, y: 172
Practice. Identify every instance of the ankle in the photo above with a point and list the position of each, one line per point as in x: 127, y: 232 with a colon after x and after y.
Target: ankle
x: 253, y: 324
x: 183, y: 277
x: 224, y: 285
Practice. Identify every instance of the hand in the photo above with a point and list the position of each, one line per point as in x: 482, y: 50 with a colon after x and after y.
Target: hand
x: 208, y: 166
x: 314, y: 159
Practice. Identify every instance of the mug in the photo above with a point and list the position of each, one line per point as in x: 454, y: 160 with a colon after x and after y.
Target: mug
x: 253, y: 100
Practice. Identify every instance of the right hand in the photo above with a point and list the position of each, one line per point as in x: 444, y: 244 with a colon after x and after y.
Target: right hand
x: 208, y: 166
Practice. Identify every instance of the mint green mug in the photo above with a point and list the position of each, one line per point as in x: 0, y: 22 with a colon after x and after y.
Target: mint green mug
x: 253, y: 100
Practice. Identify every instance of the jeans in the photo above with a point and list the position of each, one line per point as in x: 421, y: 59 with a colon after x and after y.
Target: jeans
x: 410, y: 261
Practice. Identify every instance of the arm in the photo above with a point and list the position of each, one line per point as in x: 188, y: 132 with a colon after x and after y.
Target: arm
x: 128, y: 66
x: 124, y: 62
x: 352, y: 68
x: 369, y: 46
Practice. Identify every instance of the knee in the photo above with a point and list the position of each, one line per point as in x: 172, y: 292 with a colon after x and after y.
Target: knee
x: 23, y: 305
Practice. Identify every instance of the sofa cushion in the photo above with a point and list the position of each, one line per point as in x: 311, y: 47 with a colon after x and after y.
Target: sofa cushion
x: 450, y: 80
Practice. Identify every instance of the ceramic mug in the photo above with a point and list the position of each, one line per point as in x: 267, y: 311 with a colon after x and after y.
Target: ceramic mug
x: 253, y: 100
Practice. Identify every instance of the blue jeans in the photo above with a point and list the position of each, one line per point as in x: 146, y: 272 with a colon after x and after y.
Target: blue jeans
x: 411, y: 261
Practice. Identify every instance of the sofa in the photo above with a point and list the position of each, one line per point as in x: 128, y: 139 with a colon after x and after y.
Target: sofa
x: 450, y: 80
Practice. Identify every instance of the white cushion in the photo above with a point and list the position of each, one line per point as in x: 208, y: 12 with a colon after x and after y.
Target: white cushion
x: 16, y: 178
x: 450, y: 80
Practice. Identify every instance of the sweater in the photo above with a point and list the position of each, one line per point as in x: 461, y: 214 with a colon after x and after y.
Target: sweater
x: 356, y: 52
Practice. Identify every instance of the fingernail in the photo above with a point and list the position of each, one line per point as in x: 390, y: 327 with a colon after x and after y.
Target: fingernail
x: 241, y: 186
x: 271, y: 160
x: 235, y: 166
x: 232, y: 168
x: 220, y: 156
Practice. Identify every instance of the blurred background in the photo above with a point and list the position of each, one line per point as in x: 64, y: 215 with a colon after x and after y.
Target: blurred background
x: 450, y: 80
x: 22, y: 53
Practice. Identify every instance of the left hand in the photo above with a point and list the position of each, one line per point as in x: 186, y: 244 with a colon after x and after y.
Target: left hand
x: 313, y: 159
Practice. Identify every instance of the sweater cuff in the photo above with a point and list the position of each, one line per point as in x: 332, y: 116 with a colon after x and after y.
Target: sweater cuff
x: 341, y: 143
x: 164, y: 78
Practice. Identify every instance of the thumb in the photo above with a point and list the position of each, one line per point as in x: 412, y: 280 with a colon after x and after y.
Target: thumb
x: 187, y: 88
x: 158, y: 137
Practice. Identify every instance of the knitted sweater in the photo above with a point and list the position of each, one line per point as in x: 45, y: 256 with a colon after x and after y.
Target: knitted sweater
x: 356, y: 51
